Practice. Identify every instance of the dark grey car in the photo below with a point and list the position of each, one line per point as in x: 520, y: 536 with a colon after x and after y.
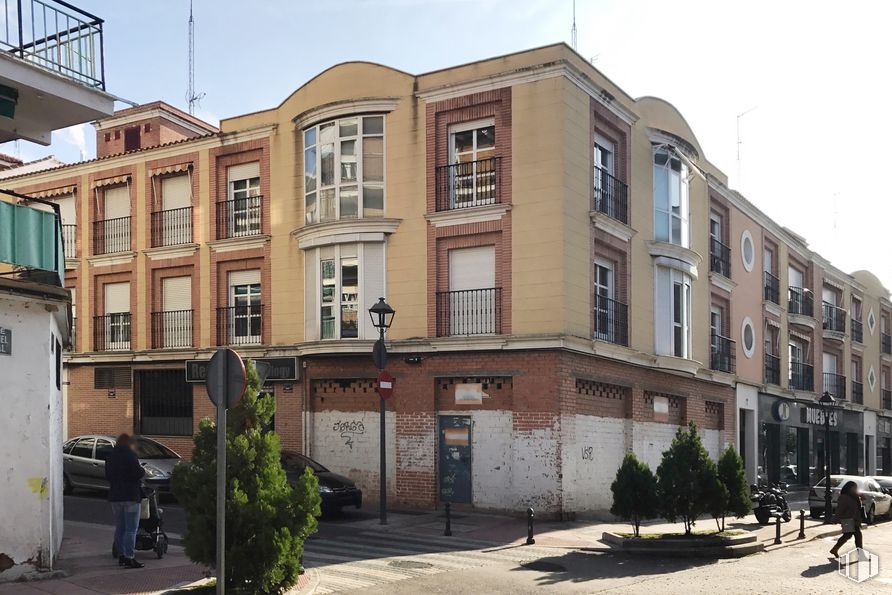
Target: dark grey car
x: 83, y: 462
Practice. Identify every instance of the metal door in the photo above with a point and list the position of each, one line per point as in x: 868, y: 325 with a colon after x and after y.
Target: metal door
x: 455, y: 459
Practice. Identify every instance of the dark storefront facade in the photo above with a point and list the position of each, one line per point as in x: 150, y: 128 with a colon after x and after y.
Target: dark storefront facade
x: 791, y: 441
x: 884, y: 446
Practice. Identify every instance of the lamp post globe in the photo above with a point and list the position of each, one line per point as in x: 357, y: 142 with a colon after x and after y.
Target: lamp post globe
x: 382, y: 315
x: 827, y: 402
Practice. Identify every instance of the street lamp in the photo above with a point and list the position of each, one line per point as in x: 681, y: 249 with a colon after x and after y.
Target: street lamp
x: 382, y: 317
x: 827, y: 402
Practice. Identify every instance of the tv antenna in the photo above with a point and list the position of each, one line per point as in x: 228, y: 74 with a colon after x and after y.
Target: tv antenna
x: 573, y: 28
x: 740, y: 142
x: 191, y: 96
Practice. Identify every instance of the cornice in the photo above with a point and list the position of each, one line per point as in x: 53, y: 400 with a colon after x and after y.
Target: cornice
x: 239, y: 243
x: 111, y: 259
x: 468, y: 215
x: 614, y: 227
x: 345, y: 231
x: 675, y: 256
x: 345, y: 107
x: 177, y: 251
x: 721, y: 281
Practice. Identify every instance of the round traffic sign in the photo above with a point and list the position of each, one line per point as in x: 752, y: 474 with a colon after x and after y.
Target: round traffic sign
x: 226, y: 379
x: 385, y: 384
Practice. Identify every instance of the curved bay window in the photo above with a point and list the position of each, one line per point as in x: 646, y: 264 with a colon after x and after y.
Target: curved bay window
x: 670, y: 198
x: 344, y: 169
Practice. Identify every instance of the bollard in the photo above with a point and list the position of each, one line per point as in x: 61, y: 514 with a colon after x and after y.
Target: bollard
x: 530, y: 540
x: 448, y: 531
x: 777, y: 522
x: 801, y: 524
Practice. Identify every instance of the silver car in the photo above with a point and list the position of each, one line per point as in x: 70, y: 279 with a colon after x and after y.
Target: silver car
x: 83, y: 462
x: 876, y: 499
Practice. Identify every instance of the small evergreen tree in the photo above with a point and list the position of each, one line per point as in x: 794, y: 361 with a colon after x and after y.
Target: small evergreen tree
x: 715, y: 495
x: 733, y: 476
x: 679, y: 478
x: 634, y: 492
x: 267, y: 520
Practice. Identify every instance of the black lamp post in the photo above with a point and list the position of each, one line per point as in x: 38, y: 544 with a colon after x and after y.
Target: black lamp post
x: 382, y: 317
x: 827, y: 402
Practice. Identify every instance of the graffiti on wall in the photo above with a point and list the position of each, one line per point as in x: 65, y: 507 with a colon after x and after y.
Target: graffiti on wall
x: 588, y: 453
x: 348, y: 430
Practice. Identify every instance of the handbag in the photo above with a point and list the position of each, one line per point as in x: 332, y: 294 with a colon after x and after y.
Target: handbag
x: 848, y: 525
x: 144, y: 509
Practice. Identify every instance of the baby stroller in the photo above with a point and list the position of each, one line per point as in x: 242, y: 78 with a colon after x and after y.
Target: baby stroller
x: 150, y: 534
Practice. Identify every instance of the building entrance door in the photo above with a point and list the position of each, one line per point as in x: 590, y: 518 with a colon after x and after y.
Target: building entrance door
x: 455, y: 459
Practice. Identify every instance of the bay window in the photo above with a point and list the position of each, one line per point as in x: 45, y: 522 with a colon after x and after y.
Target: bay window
x: 670, y: 198
x: 672, y: 330
x: 344, y: 169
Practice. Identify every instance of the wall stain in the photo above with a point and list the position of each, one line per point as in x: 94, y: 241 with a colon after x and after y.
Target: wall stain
x: 39, y: 486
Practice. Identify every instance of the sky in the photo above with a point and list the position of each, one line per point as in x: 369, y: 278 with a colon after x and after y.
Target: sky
x: 811, y: 78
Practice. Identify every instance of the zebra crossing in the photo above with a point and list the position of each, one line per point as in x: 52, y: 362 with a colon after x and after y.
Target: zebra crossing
x: 366, y: 559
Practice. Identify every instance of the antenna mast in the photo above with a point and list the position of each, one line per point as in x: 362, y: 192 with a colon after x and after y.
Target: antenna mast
x: 573, y: 28
x: 191, y: 96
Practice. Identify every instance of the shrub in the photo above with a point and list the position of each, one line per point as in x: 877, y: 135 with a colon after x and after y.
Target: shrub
x: 267, y: 520
x: 684, y: 483
x: 634, y: 492
x: 733, y: 476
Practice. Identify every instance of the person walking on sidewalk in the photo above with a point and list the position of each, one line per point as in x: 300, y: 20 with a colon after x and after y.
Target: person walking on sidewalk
x: 124, y: 475
x: 848, y: 515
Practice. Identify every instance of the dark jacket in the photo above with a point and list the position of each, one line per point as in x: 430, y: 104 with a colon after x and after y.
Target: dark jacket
x: 848, y: 507
x: 124, y: 475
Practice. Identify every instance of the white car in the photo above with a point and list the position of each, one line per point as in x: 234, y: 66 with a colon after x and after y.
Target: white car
x: 876, y: 499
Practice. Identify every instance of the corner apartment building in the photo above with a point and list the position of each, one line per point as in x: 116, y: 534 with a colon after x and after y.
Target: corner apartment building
x: 573, y: 279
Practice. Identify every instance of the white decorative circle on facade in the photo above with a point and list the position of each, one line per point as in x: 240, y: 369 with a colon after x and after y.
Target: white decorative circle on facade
x: 872, y: 378
x: 747, y: 250
x: 748, y: 333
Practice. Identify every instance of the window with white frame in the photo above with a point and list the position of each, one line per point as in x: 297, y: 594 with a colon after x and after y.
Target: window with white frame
x: 673, y: 312
x: 117, y: 315
x: 244, y: 213
x: 344, y: 169
x: 245, y: 316
x: 472, y: 148
x: 339, y: 295
x: 604, y: 292
x: 670, y: 198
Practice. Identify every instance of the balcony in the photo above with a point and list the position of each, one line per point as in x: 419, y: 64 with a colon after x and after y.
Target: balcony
x: 52, y: 64
x: 470, y: 184
x: 722, y: 354
x: 801, y: 307
x: 239, y: 217
x: 886, y: 398
x: 111, y: 235
x: 772, y: 369
x: 172, y: 227
x: 886, y: 343
x: 240, y: 325
x: 835, y: 384
x: 857, y: 331
x: 771, y: 288
x: 469, y: 312
x: 69, y: 240
x: 857, y: 392
x: 172, y: 329
x: 611, y: 320
x: 834, y: 320
x: 611, y: 196
x: 802, y: 376
x: 111, y: 332
x: 719, y: 258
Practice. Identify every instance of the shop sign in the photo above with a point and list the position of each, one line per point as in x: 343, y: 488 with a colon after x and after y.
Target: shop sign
x: 5, y: 341
x: 469, y: 394
x: 781, y: 411
x: 281, y: 369
x: 815, y: 416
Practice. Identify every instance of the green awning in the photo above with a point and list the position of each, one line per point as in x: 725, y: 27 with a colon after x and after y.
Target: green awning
x: 31, y: 238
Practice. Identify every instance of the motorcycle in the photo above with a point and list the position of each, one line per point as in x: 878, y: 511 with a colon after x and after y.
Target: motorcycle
x: 770, y: 500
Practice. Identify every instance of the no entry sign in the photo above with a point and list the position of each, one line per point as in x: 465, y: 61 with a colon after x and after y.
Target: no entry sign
x: 385, y: 384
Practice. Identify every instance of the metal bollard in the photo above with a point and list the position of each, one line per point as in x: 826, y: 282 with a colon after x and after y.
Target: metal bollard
x: 777, y: 522
x: 801, y: 524
x: 530, y: 540
x: 448, y: 531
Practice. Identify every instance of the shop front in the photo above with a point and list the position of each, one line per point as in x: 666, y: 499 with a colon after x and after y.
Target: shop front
x: 884, y: 446
x: 791, y: 441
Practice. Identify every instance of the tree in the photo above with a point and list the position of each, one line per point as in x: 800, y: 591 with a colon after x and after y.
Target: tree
x: 267, y: 520
x: 681, y: 476
x: 634, y: 492
x: 714, y: 493
x: 733, y: 476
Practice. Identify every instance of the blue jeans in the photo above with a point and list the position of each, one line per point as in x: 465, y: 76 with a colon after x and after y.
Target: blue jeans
x: 126, y: 522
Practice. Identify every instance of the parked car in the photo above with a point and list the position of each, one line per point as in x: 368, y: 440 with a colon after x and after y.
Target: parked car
x: 876, y: 499
x: 885, y: 481
x: 83, y: 462
x: 336, y: 490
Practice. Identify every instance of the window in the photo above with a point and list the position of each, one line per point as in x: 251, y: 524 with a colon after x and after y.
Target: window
x: 112, y: 232
x: 103, y: 449
x: 472, y: 148
x: 84, y: 448
x: 243, y: 215
x: 340, y: 294
x: 670, y: 198
x: 118, y: 377
x: 344, y: 169
x: 715, y: 227
x: 131, y: 138
x: 117, y: 315
x: 748, y: 333
x: 472, y: 304
x: 245, y: 309
x: 768, y: 260
x: 747, y: 250
x: 164, y: 402
x: 603, y: 299
x: 673, y: 313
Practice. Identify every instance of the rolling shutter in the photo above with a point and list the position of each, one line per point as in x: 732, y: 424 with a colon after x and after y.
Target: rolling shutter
x: 472, y: 268
x: 243, y: 171
x: 117, y: 297
x: 176, y: 193
x: 117, y: 202
x: 372, y: 273
x: 176, y: 294
x: 251, y: 277
x: 66, y: 208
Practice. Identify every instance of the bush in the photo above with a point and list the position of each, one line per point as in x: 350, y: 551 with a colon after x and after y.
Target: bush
x: 634, y: 492
x: 267, y: 520
x: 733, y: 476
x: 685, y: 479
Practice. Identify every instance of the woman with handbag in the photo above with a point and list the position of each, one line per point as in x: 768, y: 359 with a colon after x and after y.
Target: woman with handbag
x: 848, y: 515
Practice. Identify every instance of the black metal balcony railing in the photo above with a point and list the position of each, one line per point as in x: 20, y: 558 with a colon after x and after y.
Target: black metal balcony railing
x: 857, y: 392
x: 172, y: 227
x: 111, y: 235
x: 772, y: 288
x: 470, y: 184
x: 69, y: 240
x: 886, y: 398
x: 111, y: 332
x: 886, y: 343
x: 835, y: 384
x: 56, y: 36
x: 240, y: 325
x: 469, y: 312
x: 801, y: 301
x: 722, y: 354
x: 719, y: 258
x: 802, y: 376
x: 772, y: 369
x: 172, y: 329
x: 611, y: 195
x: 239, y: 217
x: 611, y: 320
x: 857, y: 331
x: 834, y: 318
